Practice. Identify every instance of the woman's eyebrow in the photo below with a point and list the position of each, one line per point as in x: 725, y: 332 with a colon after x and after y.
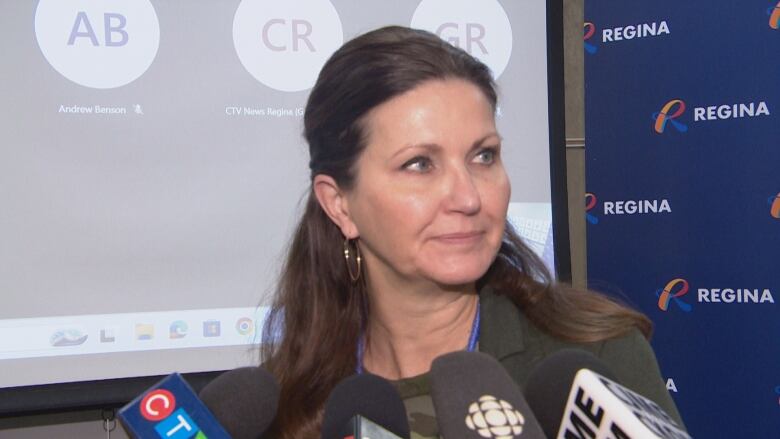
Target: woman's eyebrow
x: 431, y: 147
x: 482, y: 140
x: 435, y: 147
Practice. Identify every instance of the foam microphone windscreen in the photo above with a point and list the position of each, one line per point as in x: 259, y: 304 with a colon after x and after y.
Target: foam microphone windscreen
x: 244, y: 400
x: 366, y: 395
x: 474, y: 397
x: 549, y: 383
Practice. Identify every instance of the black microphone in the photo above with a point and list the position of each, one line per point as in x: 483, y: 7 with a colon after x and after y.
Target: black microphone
x: 244, y: 400
x: 572, y: 396
x: 475, y: 397
x: 549, y: 383
x: 361, y: 403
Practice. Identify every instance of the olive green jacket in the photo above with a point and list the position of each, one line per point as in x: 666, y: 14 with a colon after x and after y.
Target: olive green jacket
x: 518, y: 345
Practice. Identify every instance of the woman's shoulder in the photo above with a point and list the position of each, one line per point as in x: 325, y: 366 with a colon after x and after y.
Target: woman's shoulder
x: 519, y: 345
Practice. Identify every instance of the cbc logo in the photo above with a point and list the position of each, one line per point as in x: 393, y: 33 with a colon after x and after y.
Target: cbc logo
x: 480, y: 28
x: 98, y: 43
x: 285, y: 44
x: 494, y: 418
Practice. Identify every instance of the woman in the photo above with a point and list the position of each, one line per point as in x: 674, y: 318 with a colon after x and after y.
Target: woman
x: 404, y: 243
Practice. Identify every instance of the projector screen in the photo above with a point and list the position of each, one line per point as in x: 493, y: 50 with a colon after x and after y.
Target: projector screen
x: 152, y: 166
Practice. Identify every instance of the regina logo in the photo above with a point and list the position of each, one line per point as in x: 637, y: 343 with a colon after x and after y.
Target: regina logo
x: 777, y: 392
x: 625, y: 207
x: 590, y: 203
x: 774, y: 16
x: 642, y: 30
x: 678, y: 287
x: 480, y: 28
x: 491, y: 417
x: 673, y: 291
x: 590, y: 29
x: 669, y: 112
x: 775, y: 203
x: 672, y: 110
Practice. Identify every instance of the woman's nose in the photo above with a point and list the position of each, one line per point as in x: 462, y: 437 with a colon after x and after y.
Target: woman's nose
x: 462, y: 195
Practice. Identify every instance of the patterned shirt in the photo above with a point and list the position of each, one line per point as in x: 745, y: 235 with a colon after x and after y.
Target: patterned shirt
x: 416, y: 394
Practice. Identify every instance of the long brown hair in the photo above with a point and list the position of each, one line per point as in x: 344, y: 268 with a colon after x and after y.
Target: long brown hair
x: 312, y: 331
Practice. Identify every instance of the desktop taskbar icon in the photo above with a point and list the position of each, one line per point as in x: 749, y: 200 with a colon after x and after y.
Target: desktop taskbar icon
x: 67, y: 337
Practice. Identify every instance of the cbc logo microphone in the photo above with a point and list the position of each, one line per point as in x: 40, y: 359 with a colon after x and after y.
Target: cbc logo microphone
x: 494, y: 418
x: 285, y: 44
x: 96, y: 43
x: 480, y: 28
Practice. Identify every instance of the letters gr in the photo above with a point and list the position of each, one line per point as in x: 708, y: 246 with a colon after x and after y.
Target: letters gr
x: 472, y: 35
x: 114, y: 25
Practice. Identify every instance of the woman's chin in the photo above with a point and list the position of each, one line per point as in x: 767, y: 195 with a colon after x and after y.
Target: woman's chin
x: 458, y: 274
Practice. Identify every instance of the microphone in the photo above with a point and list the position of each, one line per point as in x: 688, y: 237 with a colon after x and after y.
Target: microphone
x: 475, y: 397
x: 574, y: 399
x: 364, y: 406
x: 549, y: 383
x: 244, y: 400
x: 170, y: 409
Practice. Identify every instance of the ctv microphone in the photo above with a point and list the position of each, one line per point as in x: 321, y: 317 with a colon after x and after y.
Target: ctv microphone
x: 170, y: 409
x: 475, y: 397
x: 244, y: 400
x: 364, y: 406
x: 574, y: 401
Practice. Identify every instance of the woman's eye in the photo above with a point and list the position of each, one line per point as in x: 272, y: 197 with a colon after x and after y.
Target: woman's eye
x: 418, y: 164
x: 487, y: 156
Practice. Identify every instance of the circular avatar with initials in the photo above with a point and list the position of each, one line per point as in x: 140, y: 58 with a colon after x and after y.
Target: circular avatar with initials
x: 480, y: 28
x: 285, y: 44
x: 98, y: 43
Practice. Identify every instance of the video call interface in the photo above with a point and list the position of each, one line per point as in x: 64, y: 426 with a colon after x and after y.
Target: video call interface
x: 152, y: 166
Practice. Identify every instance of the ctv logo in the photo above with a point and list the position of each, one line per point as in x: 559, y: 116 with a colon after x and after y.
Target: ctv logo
x: 589, y: 29
x: 672, y: 111
x: 774, y: 16
x: 678, y: 287
x: 774, y: 202
x: 480, y: 28
x: 160, y: 405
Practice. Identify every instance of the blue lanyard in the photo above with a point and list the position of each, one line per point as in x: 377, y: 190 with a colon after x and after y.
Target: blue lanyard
x: 471, y: 347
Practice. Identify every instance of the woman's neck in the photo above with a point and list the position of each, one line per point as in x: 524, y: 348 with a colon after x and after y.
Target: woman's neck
x: 408, y: 330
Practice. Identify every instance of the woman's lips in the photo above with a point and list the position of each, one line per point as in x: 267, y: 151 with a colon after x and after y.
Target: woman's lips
x: 460, y: 237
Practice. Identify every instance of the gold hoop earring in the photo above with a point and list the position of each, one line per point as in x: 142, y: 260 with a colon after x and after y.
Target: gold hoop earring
x: 358, y: 260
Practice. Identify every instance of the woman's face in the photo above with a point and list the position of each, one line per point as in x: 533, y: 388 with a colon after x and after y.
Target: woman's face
x: 431, y: 194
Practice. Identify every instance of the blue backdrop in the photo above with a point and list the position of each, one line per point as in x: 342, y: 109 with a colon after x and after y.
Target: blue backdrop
x: 683, y: 205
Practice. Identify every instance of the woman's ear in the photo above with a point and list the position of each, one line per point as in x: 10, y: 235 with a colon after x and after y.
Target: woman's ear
x: 334, y: 202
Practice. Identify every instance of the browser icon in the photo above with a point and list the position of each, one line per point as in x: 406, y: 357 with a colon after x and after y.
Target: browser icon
x: 178, y: 329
